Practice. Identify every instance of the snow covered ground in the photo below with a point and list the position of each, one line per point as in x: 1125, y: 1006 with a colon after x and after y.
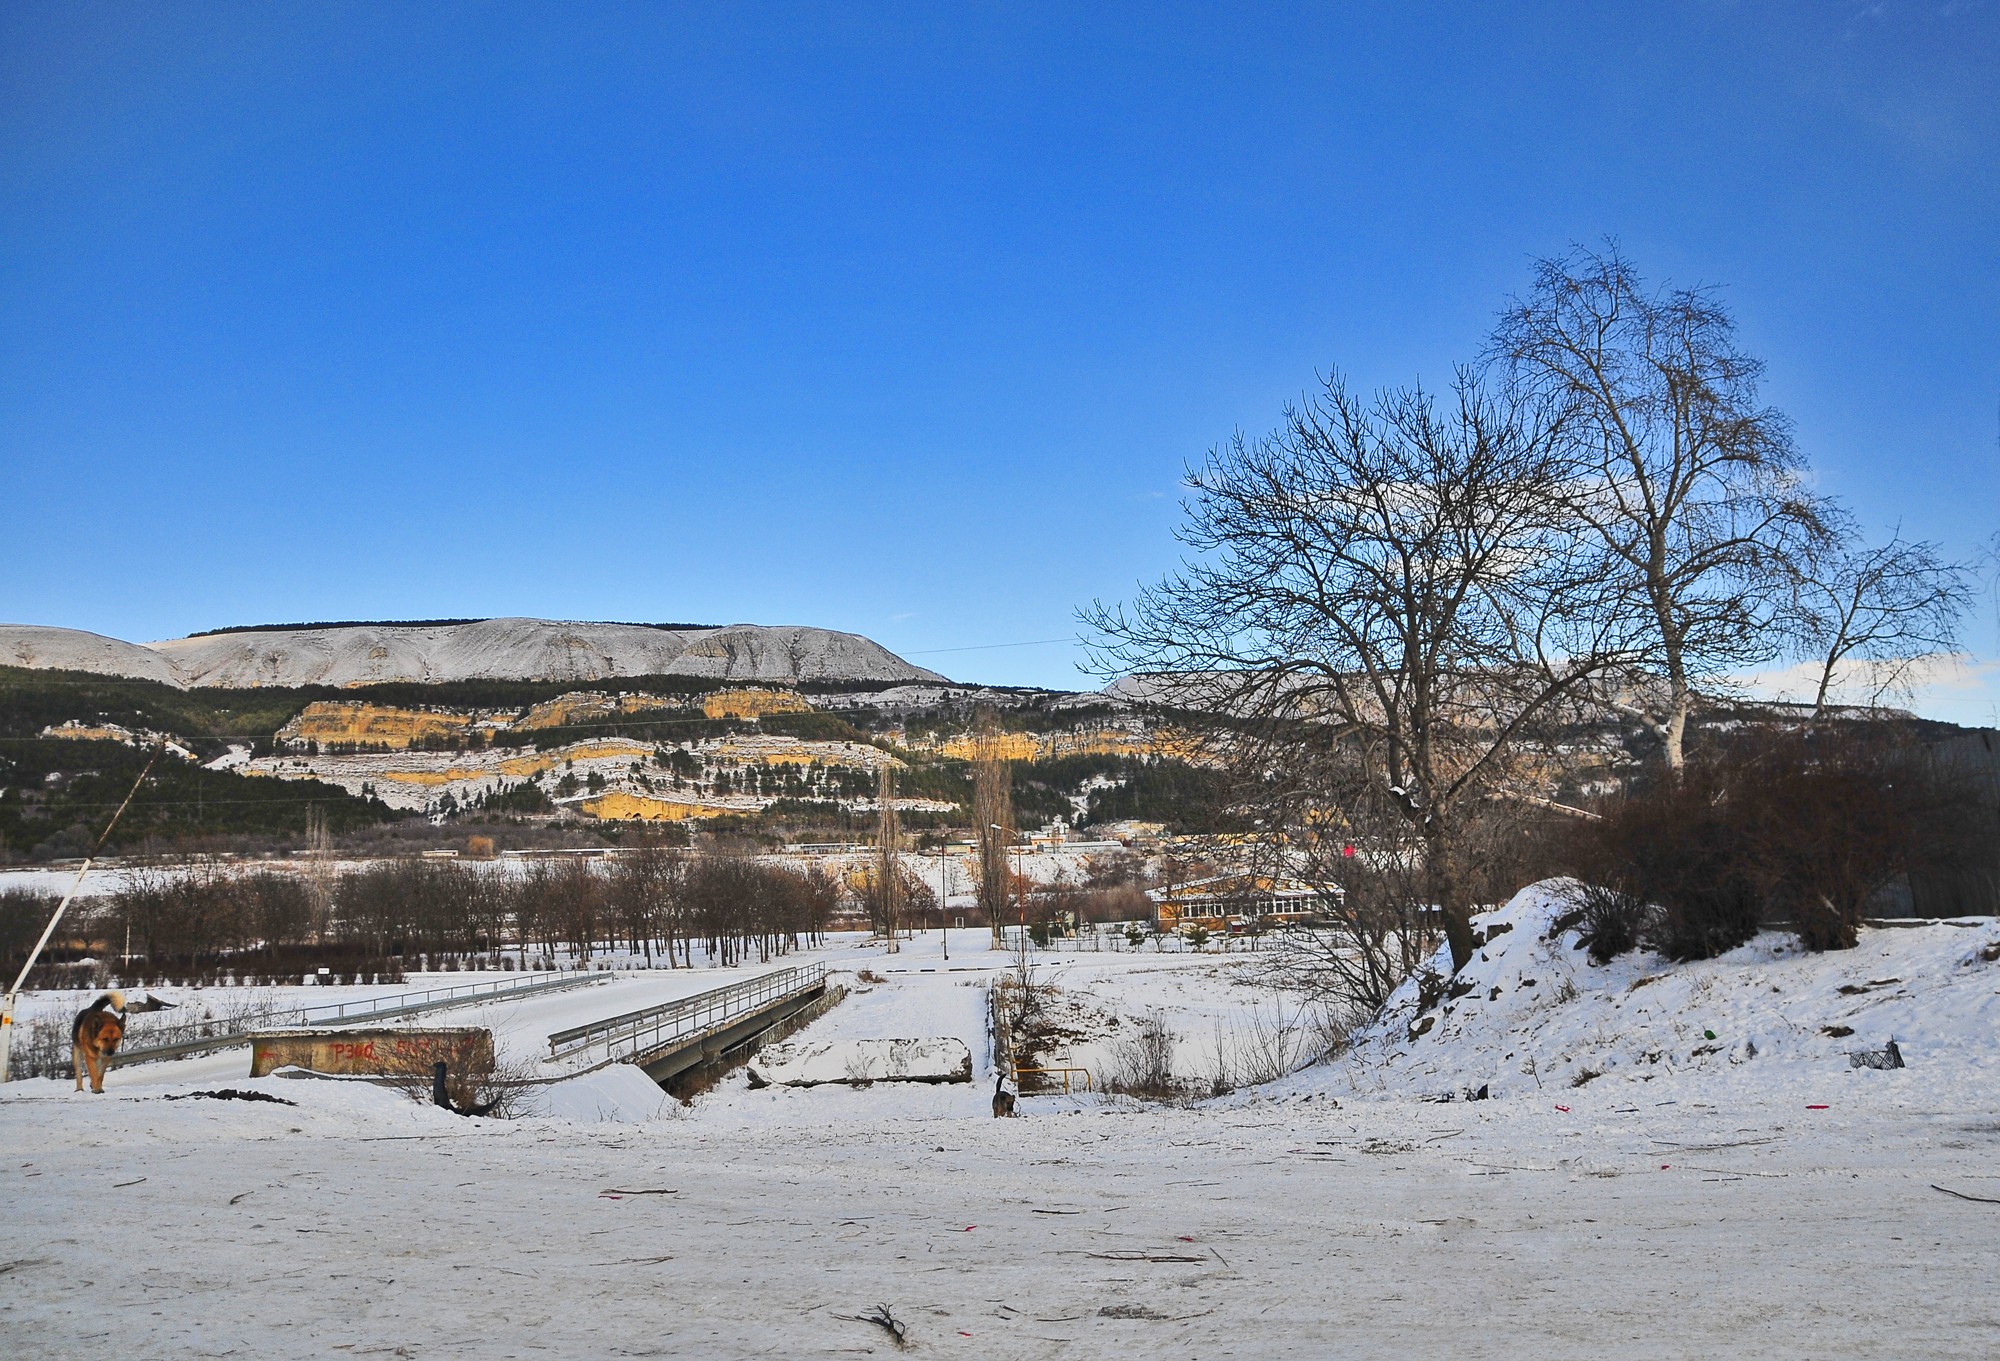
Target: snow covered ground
x: 1536, y: 1016
x: 1781, y: 1205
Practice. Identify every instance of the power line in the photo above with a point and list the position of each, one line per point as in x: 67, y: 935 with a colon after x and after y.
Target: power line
x: 986, y: 647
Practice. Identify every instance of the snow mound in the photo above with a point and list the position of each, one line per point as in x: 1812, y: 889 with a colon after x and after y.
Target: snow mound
x: 618, y: 1093
x: 941, y: 1059
x: 1530, y: 1014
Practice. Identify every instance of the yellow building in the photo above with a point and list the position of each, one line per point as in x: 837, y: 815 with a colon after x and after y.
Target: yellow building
x: 1237, y: 902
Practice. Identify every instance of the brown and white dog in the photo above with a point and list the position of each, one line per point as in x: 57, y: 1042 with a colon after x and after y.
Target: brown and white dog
x: 98, y: 1031
x: 95, y: 1036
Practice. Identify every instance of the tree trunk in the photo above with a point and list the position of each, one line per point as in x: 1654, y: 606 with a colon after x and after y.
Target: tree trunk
x: 1675, y: 734
x: 1446, y: 892
x: 1825, y: 683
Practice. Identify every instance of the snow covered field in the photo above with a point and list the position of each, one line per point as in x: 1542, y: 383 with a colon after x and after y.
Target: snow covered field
x: 1777, y: 1205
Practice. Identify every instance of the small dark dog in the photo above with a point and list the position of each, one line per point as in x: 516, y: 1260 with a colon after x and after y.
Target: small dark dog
x: 1003, y: 1100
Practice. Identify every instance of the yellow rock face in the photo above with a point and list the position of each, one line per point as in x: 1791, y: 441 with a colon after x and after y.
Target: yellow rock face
x: 85, y: 732
x: 753, y: 703
x: 522, y: 767
x: 788, y: 751
x: 999, y: 746
x: 564, y: 710
x: 519, y: 767
x: 619, y: 807
x: 583, y: 705
x: 1021, y: 746
x: 340, y: 721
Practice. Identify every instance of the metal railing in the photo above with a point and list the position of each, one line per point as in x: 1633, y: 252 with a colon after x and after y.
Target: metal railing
x: 1088, y: 1086
x: 180, y: 1038
x: 639, y: 1032
x: 427, y: 999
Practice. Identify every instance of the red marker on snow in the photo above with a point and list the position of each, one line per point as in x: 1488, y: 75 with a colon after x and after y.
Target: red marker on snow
x: 1816, y: 1108
x: 1563, y: 1109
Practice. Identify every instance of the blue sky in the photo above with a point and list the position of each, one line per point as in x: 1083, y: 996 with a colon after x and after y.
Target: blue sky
x: 900, y: 319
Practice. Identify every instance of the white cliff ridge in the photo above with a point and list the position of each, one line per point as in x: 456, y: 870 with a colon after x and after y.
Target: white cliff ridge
x: 488, y: 649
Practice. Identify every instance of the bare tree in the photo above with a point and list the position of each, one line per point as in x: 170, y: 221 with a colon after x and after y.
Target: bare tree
x: 1989, y: 559
x: 993, y: 820
x: 1384, y: 598
x: 1691, y: 486
x: 322, y: 878
x: 1887, y: 609
x: 641, y: 892
x: 887, y: 889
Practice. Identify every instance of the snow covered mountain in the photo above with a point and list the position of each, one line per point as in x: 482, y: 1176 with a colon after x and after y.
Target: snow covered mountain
x: 488, y: 649
x: 54, y: 649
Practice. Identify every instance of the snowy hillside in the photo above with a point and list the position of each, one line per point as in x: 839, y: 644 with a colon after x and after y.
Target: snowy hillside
x: 53, y: 649
x: 489, y: 649
x: 1531, y: 1015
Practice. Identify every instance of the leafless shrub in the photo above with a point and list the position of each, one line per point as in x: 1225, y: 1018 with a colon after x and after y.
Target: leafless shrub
x: 1681, y: 847
x: 1366, y: 939
x: 1278, y: 1035
x: 474, y: 1086
x: 42, y: 1047
x: 1802, y: 827
x: 1142, y: 1062
x: 1612, y: 922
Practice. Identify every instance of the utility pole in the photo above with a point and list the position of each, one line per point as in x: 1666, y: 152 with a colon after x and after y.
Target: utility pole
x: 1021, y: 896
x: 7, y: 1007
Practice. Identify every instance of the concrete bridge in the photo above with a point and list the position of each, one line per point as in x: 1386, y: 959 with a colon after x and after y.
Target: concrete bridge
x: 667, y: 1040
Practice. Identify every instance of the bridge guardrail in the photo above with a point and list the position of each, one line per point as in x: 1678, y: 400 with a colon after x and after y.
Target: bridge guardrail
x: 451, y: 994
x: 181, y: 1038
x: 638, y: 1032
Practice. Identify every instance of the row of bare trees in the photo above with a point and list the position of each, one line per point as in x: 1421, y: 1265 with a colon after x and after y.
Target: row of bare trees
x: 1397, y: 610
x: 656, y: 902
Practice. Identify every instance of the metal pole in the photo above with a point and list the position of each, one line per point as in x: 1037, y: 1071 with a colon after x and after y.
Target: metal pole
x: 944, y: 904
x: 7, y: 1007
x: 1021, y: 896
